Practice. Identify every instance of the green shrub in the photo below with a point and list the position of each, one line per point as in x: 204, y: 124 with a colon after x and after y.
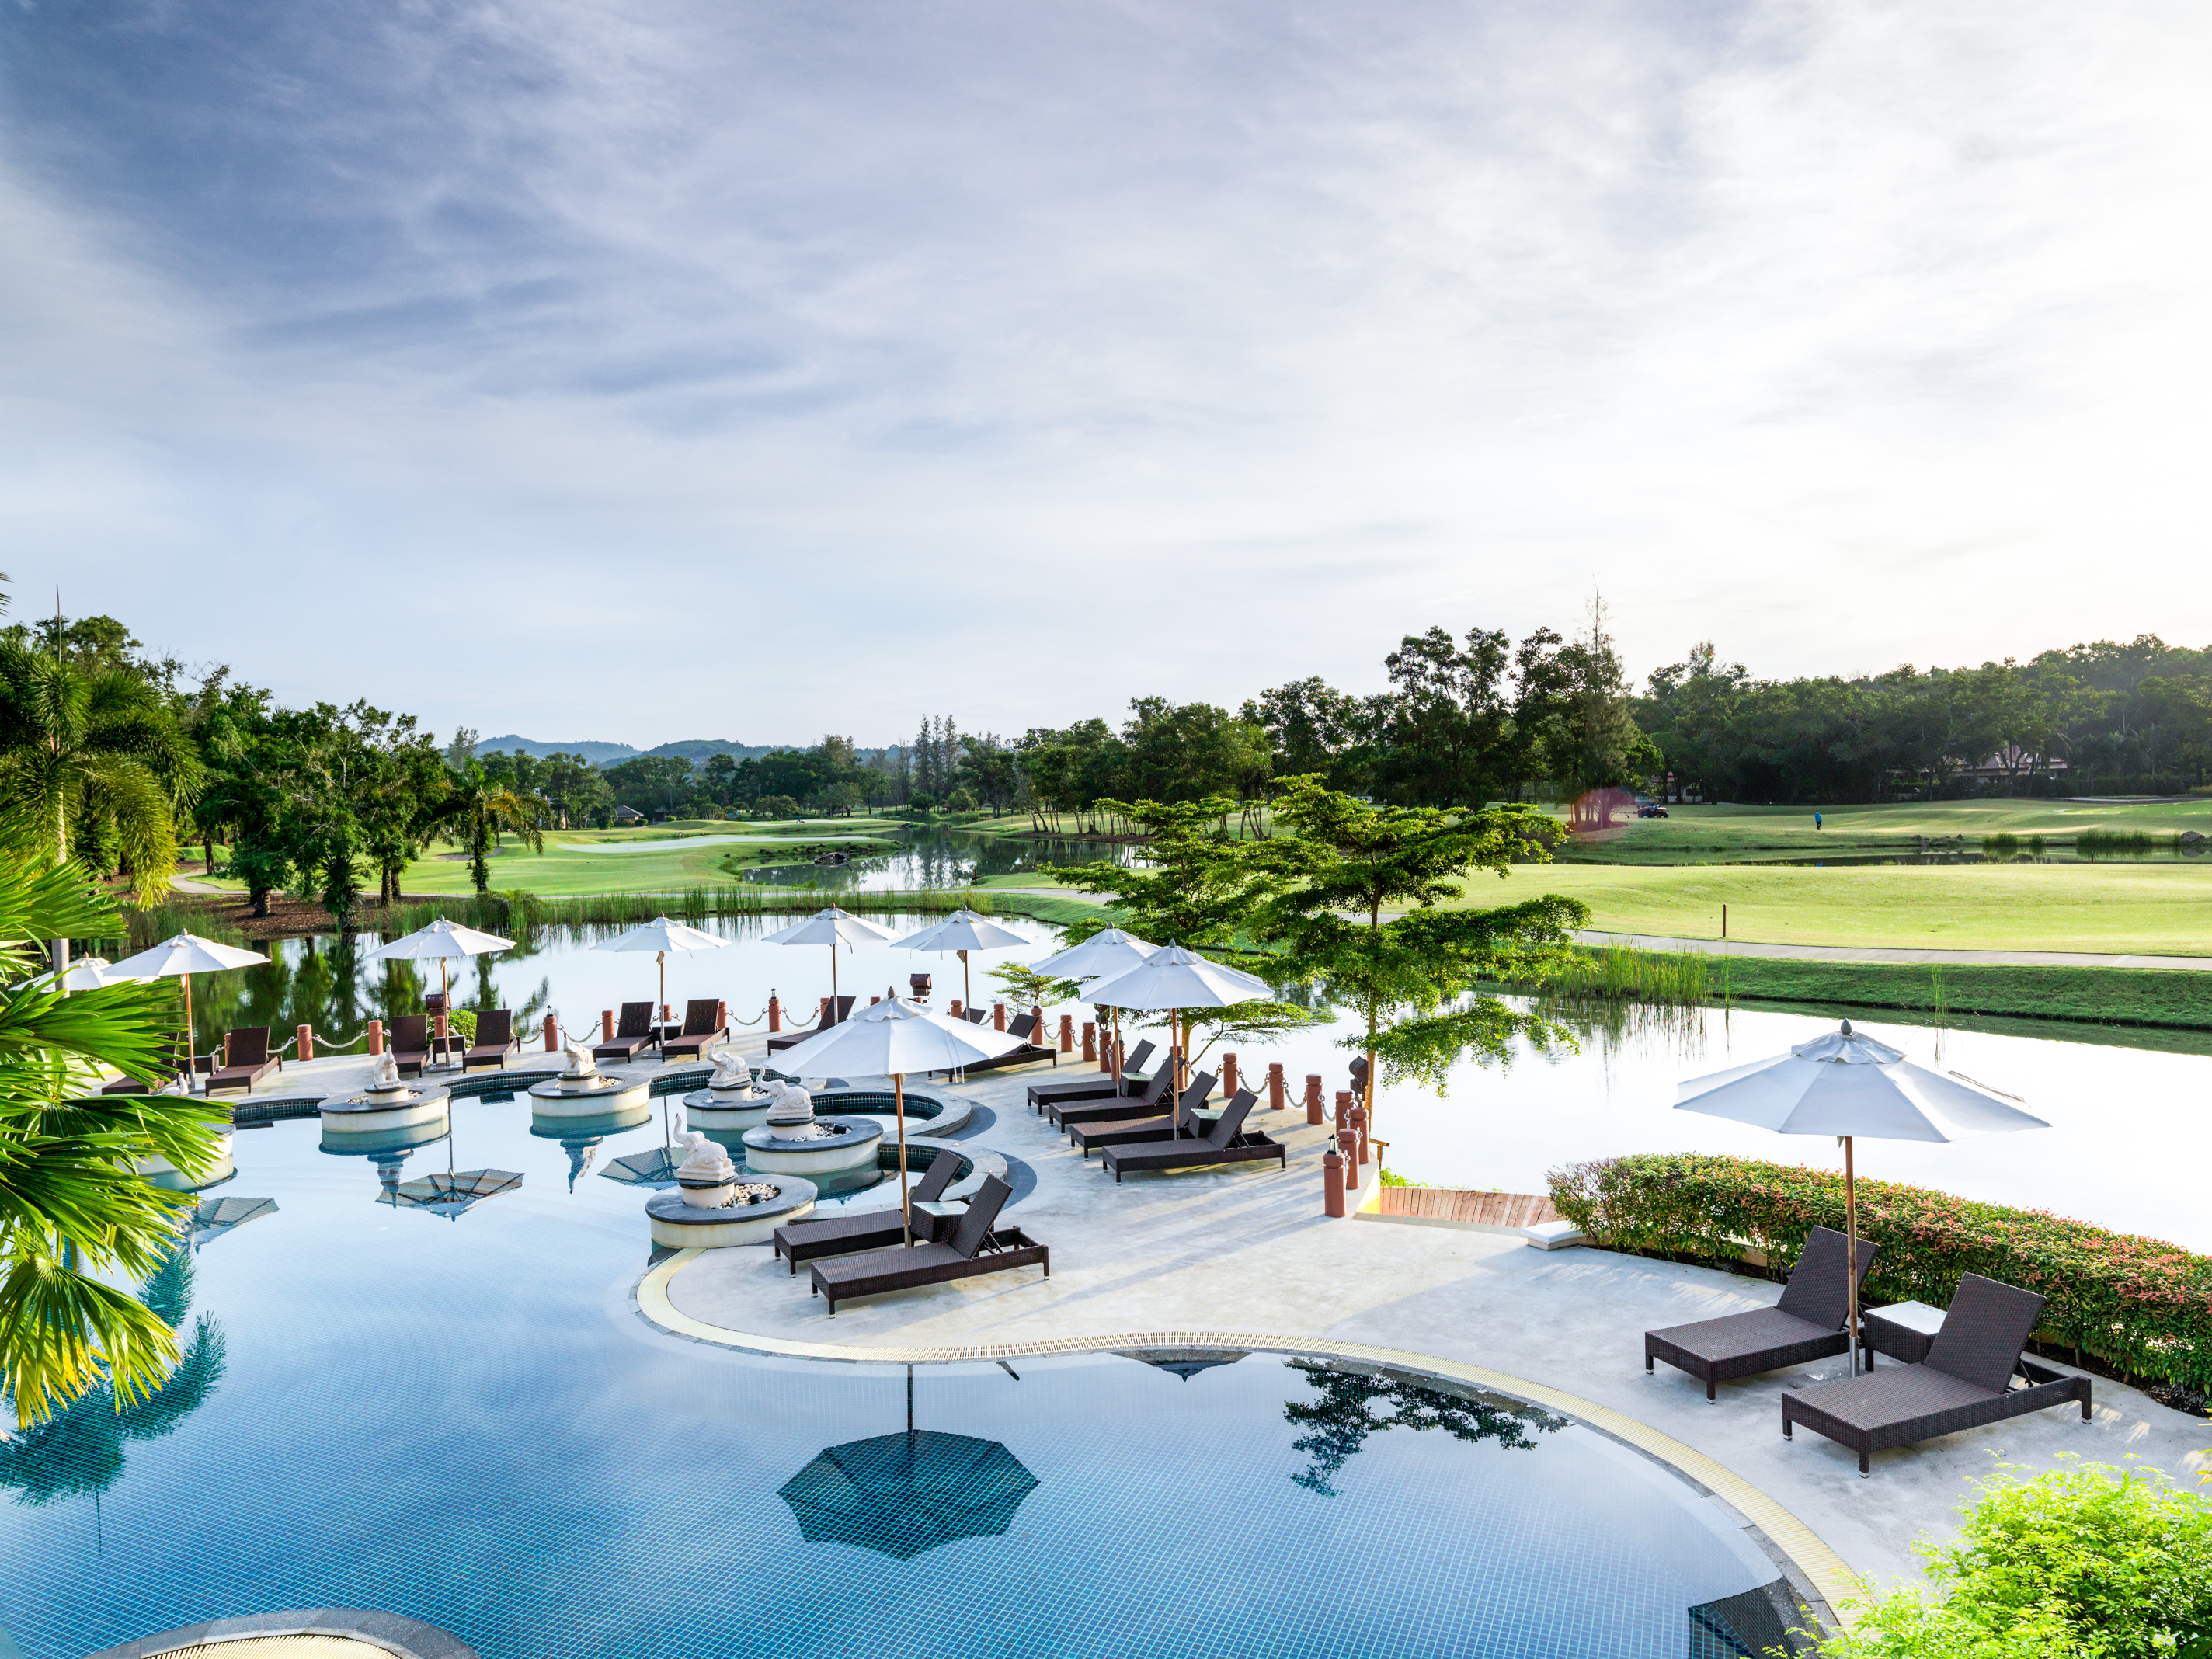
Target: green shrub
x: 2143, y: 1306
x: 2086, y: 1560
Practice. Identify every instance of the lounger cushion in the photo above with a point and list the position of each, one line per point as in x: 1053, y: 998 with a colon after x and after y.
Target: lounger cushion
x: 1892, y: 1396
x: 1750, y: 1335
x: 906, y: 1258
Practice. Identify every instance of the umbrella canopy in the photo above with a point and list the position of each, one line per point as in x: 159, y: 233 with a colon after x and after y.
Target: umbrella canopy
x: 449, y: 1194
x: 1847, y: 1084
x: 1175, y: 979
x: 963, y: 931
x: 90, y: 973
x: 181, y: 957
x: 903, y: 1494
x: 661, y: 936
x: 1103, y: 955
x: 832, y: 927
x: 217, y: 1216
x: 442, y: 941
x: 889, y: 1039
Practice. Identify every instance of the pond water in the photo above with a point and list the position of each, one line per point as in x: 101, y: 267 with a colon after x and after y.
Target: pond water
x: 937, y: 858
x: 2130, y: 1126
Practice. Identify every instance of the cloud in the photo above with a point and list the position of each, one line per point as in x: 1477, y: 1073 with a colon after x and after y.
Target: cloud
x: 771, y: 370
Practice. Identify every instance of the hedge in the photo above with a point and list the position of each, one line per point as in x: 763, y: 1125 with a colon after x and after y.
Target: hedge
x: 2141, y: 1305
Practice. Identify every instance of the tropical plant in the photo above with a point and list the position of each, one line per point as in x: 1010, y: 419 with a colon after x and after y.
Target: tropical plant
x: 477, y: 811
x: 1195, y: 887
x: 72, y: 1203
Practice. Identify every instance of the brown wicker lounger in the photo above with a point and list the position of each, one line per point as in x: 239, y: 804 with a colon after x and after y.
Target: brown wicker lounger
x: 245, y: 1060
x: 1806, y: 1324
x: 1225, y: 1143
x: 974, y: 1248
x: 1966, y: 1381
x: 1101, y: 1108
x: 871, y: 1230
x: 632, y: 1032
x: 1127, y: 1130
x: 839, y: 1010
x: 1024, y: 1026
x: 1134, y: 1078
x: 494, y: 1039
x: 703, y: 1025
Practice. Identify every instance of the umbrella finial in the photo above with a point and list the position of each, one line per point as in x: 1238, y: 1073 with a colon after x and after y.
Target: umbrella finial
x: 1847, y: 1028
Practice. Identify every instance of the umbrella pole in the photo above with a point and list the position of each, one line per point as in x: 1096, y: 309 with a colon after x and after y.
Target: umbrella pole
x: 967, y: 992
x: 191, y: 1065
x: 906, y: 1207
x: 1851, y: 1250
x: 1117, y: 1049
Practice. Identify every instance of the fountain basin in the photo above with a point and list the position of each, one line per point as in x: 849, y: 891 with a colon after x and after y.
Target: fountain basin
x: 677, y: 1226
x: 835, y: 1162
x: 159, y: 1172
x: 600, y: 1123
x: 561, y: 1096
x: 375, y: 1110
x: 704, y: 1110
x: 379, y: 1142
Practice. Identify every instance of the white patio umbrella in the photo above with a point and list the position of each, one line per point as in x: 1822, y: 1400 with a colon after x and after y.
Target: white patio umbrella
x: 889, y: 1039
x: 1105, y: 954
x: 90, y: 973
x: 1847, y: 1084
x: 661, y: 936
x: 181, y: 957
x: 961, y: 932
x: 1175, y: 979
x: 832, y: 927
x: 442, y: 941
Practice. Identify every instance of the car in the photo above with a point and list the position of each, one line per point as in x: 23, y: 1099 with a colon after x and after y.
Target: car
x: 1650, y: 811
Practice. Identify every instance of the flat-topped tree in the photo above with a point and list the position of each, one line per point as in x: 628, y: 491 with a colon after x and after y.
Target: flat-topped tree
x: 1346, y: 862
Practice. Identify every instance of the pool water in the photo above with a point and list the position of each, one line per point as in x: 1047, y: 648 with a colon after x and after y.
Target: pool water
x: 457, y: 1417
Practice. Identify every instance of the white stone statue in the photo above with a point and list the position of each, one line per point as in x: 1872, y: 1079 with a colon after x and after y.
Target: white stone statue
x: 793, y: 1108
x: 703, y: 1160
x: 580, y: 1063
x: 731, y: 1075
x: 384, y: 1074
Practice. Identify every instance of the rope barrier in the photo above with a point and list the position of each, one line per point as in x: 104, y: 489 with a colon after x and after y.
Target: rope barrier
x: 322, y: 1042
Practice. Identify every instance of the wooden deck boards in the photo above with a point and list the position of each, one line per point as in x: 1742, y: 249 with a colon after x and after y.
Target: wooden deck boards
x: 1486, y: 1209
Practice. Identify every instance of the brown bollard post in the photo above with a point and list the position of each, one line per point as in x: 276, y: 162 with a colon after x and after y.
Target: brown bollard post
x: 1090, y: 1039
x: 1313, y: 1098
x: 956, y: 1010
x: 1359, y: 1123
x: 376, y: 1036
x: 721, y: 1016
x: 1067, y: 1034
x: 1332, y: 1183
x: 307, y: 1043
x: 1343, y: 1109
x: 821, y: 1016
x: 998, y: 1016
x: 607, y: 1025
x: 1038, y: 1035
x: 1278, y: 1087
x: 1347, y: 1142
x: 873, y: 1001
x: 1229, y: 1077
x: 552, y: 1034
x: 774, y: 1013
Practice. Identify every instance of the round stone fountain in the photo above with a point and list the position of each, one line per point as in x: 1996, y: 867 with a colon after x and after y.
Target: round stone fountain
x: 838, y: 1154
x: 716, y: 1205
x: 159, y: 1172
x: 390, y: 1103
x: 729, y: 1104
x: 582, y: 1089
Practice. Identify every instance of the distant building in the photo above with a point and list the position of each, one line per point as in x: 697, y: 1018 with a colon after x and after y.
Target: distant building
x: 2014, y: 762
x: 628, y: 815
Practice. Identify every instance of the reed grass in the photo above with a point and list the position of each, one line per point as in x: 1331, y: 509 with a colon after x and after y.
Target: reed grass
x: 1677, y: 978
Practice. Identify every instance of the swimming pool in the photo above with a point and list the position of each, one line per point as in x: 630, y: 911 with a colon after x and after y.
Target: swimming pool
x: 456, y: 1416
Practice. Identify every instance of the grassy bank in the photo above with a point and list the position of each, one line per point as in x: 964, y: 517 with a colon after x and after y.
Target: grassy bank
x: 1726, y: 833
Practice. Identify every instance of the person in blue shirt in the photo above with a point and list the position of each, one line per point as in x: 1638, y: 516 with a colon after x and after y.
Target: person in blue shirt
x: 1816, y: 820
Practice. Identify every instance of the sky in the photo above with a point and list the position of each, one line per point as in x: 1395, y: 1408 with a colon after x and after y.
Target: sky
x: 716, y: 369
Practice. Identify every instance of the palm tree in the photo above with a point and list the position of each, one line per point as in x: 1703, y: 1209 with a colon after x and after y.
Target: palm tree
x: 74, y: 1210
x: 94, y: 758
x: 479, y: 812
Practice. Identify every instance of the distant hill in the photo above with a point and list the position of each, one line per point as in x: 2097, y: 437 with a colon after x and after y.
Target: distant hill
x: 612, y: 753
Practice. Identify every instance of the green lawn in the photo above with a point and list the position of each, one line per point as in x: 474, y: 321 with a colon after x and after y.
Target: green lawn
x: 2163, y: 909
x: 1697, y: 834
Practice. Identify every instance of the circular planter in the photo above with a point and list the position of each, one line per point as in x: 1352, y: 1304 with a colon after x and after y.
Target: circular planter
x: 834, y: 1164
x: 924, y: 1114
x: 381, y: 1142
x: 702, y: 1110
x: 371, y: 1112
x: 600, y: 1123
x: 676, y: 1226
x: 553, y: 1099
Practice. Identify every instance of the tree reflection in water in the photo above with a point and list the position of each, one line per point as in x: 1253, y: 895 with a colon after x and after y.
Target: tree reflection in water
x: 1340, y: 1421
x: 79, y: 1450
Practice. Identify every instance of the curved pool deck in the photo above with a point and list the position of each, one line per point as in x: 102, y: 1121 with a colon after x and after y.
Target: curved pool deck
x: 1244, y: 1258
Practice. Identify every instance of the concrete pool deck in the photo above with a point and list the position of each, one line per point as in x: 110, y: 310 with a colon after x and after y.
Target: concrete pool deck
x: 1243, y: 1257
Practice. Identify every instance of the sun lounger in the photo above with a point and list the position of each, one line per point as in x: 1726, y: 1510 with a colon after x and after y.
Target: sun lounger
x: 494, y: 1039
x: 245, y: 1060
x: 1965, y: 1382
x: 1024, y: 1026
x: 977, y: 1246
x: 1097, y: 1108
x: 1225, y: 1143
x: 632, y: 1032
x: 1806, y: 1324
x: 1134, y: 1079
x: 840, y: 1010
x: 1128, y: 1128
x: 703, y: 1025
x: 166, y: 1073
x: 871, y: 1230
